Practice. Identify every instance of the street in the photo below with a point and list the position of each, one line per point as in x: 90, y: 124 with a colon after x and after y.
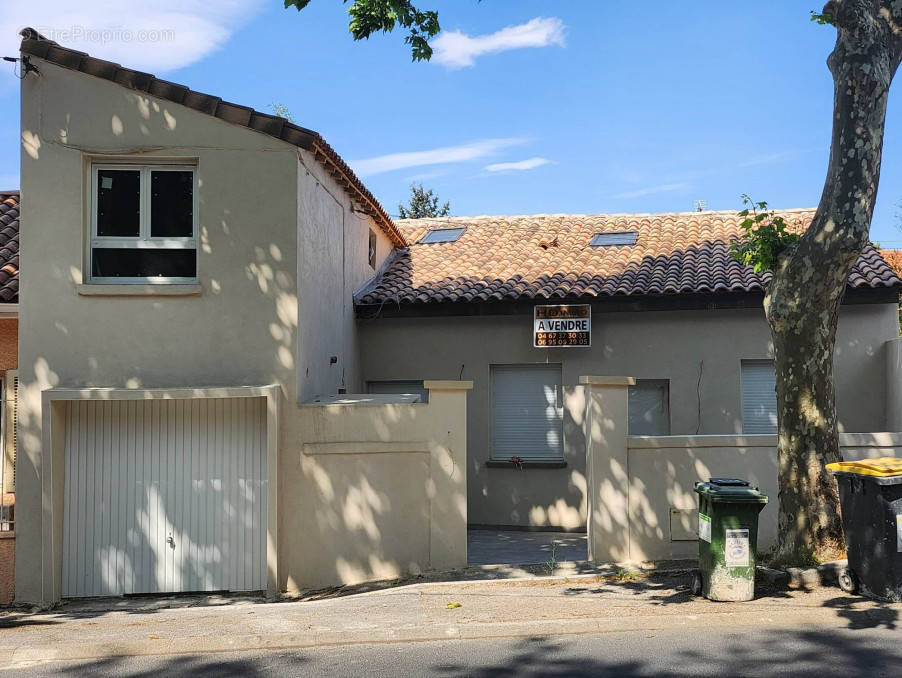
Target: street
x: 775, y: 651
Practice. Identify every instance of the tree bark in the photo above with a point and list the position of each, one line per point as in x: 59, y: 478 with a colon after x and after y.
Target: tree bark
x: 803, y: 298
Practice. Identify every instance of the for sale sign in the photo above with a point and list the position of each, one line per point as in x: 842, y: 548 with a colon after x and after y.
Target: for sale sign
x: 562, y: 326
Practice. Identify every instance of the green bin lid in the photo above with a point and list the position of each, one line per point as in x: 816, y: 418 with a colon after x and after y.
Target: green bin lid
x: 732, y: 490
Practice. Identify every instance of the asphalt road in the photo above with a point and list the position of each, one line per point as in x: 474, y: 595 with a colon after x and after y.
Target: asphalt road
x: 806, y: 651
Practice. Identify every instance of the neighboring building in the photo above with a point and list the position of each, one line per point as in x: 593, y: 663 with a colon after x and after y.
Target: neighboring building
x: 174, y: 240
x: 202, y: 283
x: 669, y: 307
x: 9, y: 353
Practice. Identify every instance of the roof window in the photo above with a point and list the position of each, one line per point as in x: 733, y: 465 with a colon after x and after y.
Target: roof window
x: 436, y: 235
x: 614, y: 239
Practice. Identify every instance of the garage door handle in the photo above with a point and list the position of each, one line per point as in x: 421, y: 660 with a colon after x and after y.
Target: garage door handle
x: 170, y: 541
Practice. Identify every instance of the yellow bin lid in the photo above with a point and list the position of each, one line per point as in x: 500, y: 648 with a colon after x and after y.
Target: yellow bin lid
x: 880, y: 467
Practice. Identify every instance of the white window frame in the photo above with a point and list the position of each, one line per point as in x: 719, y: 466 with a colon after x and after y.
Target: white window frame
x: 144, y: 240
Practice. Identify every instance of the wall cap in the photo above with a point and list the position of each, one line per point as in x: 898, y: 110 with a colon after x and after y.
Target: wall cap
x: 138, y: 290
x: 447, y: 385
x: 876, y: 439
x: 607, y: 381
x: 679, y: 442
x: 179, y: 393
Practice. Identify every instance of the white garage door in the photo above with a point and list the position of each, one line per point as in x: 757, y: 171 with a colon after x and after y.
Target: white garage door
x: 165, y: 496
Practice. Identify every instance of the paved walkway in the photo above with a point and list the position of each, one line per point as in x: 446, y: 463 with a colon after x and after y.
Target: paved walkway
x: 513, y: 547
x: 535, y: 608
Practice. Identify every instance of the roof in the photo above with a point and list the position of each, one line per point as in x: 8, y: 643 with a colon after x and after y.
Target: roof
x: 9, y: 247
x: 34, y: 44
x: 547, y: 256
x: 894, y: 259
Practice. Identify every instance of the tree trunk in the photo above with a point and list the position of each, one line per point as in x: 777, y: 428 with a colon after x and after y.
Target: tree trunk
x: 803, y: 298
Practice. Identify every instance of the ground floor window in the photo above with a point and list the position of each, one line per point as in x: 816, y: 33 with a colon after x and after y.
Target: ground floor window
x: 759, y: 397
x: 527, y: 412
x: 649, y: 408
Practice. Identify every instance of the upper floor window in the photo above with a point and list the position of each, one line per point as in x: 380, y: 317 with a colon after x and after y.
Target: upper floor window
x: 143, y: 223
x: 372, y: 250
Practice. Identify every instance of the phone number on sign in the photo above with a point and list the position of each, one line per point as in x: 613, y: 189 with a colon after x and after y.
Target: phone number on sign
x: 562, y: 338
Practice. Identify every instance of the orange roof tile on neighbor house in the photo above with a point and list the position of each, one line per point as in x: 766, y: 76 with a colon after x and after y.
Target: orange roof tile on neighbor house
x: 9, y: 247
x: 548, y: 256
x: 894, y: 259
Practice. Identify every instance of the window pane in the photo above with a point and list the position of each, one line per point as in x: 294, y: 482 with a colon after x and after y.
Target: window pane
x: 171, y: 204
x: 139, y: 263
x: 118, y: 203
x: 649, y: 408
x: 759, y: 397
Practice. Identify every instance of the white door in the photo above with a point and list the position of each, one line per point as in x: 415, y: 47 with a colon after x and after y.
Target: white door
x: 165, y: 496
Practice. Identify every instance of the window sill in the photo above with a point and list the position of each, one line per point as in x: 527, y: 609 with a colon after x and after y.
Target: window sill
x: 498, y: 463
x: 139, y: 290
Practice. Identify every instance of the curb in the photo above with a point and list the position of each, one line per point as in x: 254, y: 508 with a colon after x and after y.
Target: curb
x: 805, y: 578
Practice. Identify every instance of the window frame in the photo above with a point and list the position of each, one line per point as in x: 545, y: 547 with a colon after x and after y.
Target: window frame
x: 424, y: 240
x: 493, y: 457
x: 742, y: 378
x: 144, y: 239
x: 653, y: 382
x: 603, y: 239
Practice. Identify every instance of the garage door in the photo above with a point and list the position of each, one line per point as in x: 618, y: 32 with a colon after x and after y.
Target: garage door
x: 165, y: 496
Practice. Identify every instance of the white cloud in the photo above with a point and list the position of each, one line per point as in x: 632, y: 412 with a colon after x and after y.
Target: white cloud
x: 436, y: 156
x: 650, y: 190
x: 520, y: 165
x: 456, y: 49
x: 153, y: 35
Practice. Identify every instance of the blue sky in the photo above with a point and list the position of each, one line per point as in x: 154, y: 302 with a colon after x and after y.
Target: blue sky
x: 530, y: 106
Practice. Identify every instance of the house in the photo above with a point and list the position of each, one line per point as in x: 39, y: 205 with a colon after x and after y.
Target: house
x: 237, y: 372
x: 9, y: 353
x: 669, y: 306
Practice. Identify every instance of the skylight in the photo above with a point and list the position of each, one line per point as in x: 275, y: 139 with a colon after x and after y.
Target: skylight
x: 614, y: 239
x: 436, y: 235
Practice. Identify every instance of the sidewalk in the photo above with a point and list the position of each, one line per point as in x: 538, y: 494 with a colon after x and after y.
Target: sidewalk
x: 538, y: 607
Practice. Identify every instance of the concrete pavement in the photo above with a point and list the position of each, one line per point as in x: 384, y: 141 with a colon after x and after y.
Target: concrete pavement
x: 539, y: 607
x: 767, y: 652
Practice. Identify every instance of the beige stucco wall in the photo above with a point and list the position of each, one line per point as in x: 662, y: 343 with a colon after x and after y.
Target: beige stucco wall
x: 251, y: 323
x: 663, y: 472
x: 374, y: 489
x: 653, y: 344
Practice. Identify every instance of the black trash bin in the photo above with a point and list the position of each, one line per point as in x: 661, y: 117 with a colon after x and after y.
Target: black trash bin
x: 870, y: 492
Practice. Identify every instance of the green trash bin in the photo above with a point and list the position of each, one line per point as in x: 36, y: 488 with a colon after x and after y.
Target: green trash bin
x: 728, y: 511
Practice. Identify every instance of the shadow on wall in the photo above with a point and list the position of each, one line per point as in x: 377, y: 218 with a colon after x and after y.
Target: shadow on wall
x: 380, y: 492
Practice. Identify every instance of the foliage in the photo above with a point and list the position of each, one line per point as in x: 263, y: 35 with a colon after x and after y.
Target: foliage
x: 766, y: 237
x: 372, y: 16
x: 422, y: 204
x: 282, y: 111
x: 822, y: 19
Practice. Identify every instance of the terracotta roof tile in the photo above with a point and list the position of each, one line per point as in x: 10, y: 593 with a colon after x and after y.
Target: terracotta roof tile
x: 9, y: 247
x: 548, y: 256
x: 34, y: 44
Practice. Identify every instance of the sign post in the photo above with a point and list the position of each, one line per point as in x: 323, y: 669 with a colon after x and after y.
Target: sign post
x: 562, y: 326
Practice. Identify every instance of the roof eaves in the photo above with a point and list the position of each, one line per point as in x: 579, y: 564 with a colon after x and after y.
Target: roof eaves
x: 34, y: 44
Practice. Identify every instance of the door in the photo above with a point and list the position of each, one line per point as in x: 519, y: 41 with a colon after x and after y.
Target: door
x: 164, y: 496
